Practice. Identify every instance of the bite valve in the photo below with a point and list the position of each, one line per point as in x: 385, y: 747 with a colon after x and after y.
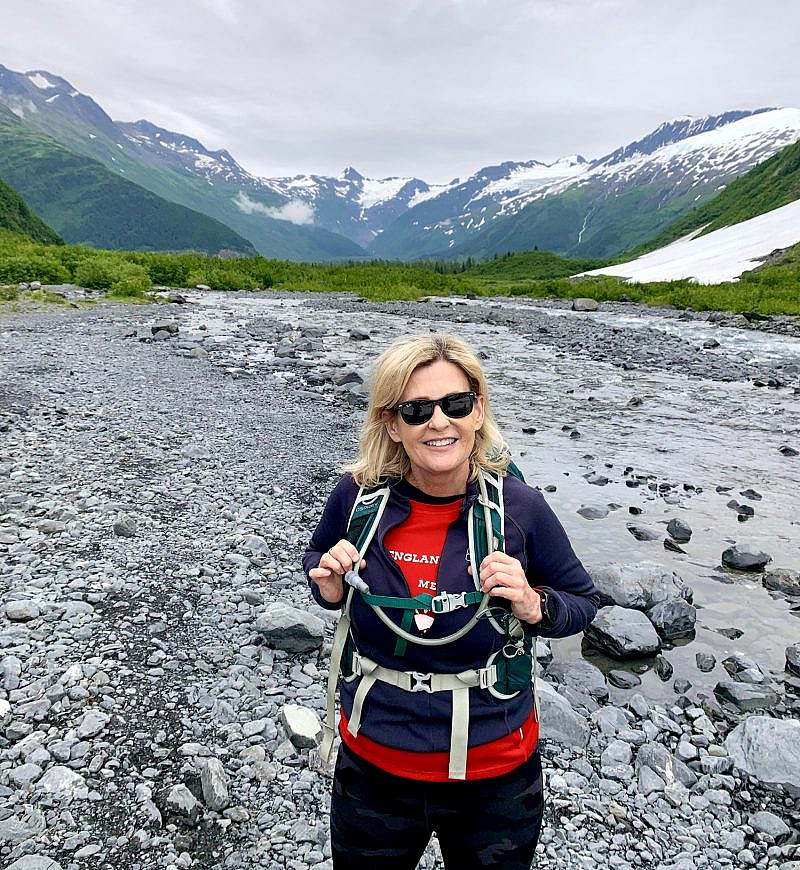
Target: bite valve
x: 352, y: 579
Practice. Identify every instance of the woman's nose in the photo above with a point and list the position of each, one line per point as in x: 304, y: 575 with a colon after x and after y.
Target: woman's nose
x: 439, y: 420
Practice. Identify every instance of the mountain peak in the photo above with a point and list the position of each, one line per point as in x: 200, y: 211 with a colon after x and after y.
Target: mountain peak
x: 676, y: 130
x: 349, y: 173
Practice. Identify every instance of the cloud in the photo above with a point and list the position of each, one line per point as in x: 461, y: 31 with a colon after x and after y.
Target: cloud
x: 295, y: 211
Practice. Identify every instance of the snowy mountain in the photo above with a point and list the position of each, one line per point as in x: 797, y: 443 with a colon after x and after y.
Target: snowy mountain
x: 722, y: 255
x: 624, y: 198
x: 573, y: 206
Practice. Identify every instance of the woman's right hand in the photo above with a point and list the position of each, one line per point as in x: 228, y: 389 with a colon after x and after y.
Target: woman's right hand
x: 329, y: 574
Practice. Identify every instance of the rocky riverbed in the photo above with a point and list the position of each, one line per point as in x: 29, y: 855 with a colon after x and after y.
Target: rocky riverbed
x: 162, y: 667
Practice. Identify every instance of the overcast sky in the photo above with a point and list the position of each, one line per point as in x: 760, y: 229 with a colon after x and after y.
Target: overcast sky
x: 432, y: 88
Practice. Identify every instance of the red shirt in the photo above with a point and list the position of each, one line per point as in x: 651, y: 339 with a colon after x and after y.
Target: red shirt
x: 416, y: 546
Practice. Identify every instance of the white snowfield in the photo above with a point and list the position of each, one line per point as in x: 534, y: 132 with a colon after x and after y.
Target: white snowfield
x: 719, y: 256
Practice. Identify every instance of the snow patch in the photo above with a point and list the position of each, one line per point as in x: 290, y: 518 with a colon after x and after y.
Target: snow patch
x: 41, y: 82
x: 719, y: 256
x: 295, y: 211
x: 377, y: 190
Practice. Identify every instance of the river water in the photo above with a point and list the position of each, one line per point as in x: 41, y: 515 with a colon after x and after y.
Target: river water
x: 695, y: 433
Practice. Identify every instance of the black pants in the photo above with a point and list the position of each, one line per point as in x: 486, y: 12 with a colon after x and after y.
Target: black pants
x: 384, y: 822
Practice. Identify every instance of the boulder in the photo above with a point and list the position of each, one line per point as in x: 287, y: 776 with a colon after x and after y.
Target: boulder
x: 679, y: 531
x: 745, y: 557
x: 63, y: 783
x: 585, y: 304
x: 642, y: 533
x: 582, y: 676
x: 623, y: 633
x: 767, y: 749
x: 766, y: 822
x: 288, y: 628
x: 782, y: 580
x: 560, y: 722
x: 22, y: 610
x: 639, y: 586
x: 745, y: 696
x: 673, y: 619
x: 793, y: 659
x: 34, y: 862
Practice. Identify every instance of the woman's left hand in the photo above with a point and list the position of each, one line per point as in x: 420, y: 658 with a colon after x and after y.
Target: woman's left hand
x: 502, y: 575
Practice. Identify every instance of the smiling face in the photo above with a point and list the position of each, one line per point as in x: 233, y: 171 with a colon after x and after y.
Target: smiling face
x: 438, y: 450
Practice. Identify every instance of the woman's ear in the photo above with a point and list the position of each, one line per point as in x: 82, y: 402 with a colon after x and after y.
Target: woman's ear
x: 390, y: 422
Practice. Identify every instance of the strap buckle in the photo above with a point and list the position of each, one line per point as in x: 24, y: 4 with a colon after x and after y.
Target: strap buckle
x: 447, y: 602
x: 487, y: 676
x: 421, y: 682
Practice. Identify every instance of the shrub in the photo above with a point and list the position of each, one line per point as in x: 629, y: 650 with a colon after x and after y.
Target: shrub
x: 102, y: 272
x: 32, y: 267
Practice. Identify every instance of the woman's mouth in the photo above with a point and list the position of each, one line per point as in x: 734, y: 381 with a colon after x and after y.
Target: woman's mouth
x: 440, y: 442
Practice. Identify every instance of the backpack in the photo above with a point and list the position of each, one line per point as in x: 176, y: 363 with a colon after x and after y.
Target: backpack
x: 508, y: 671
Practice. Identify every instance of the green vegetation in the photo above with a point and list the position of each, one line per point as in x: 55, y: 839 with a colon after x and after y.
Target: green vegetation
x: 526, y: 265
x: 771, y: 184
x: 773, y: 289
x: 88, y: 204
x: 17, y: 217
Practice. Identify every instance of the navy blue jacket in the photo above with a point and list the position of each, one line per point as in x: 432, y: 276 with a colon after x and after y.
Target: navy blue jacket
x: 418, y: 721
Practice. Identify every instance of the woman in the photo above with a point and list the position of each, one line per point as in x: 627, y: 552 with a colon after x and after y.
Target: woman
x: 438, y: 722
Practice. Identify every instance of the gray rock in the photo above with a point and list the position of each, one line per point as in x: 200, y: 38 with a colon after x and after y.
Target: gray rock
x: 767, y: 749
x: 673, y: 619
x: 745, y: 557
x: 34, y: 862
x: 610, y: 720
x: 642, y: 533
x: 593, y: 512
x: 92, y: 724
x: 782, y: 580
x: 215, y: 784
x: 623, y: 633
x: 581, y: 676
x: 125, y: 526
x: 302, y: 725
x: 181, y: 802
x: 679, y: 531
x: 62, y: 782
x: 289, y: 628
x: 168, y: 326
x: 706, y: 661
x: 356, y: 334
x: 766, y: 822
x: 745, y: 696
x: 639, y: 586
x: 793, y: 659
x: 560, y: 722
x: 661, y: 760
x: 585, y: 304
x: 22, y: 610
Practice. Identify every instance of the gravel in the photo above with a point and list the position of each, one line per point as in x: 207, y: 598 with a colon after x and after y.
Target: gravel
x: 162, y: 670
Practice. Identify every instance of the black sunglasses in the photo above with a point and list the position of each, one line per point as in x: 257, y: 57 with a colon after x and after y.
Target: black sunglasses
x: 418, y: 411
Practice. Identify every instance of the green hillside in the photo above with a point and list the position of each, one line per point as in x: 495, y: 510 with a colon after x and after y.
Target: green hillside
x: 87, y: 204
x: 17, y: 217
x: 530, y: 265
x: 773, y: 183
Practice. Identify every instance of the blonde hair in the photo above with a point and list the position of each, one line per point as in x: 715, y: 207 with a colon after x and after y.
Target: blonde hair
x: 380, y: 458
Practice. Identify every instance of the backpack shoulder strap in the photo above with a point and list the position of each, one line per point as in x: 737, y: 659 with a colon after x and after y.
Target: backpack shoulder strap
x: 365, y: 516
